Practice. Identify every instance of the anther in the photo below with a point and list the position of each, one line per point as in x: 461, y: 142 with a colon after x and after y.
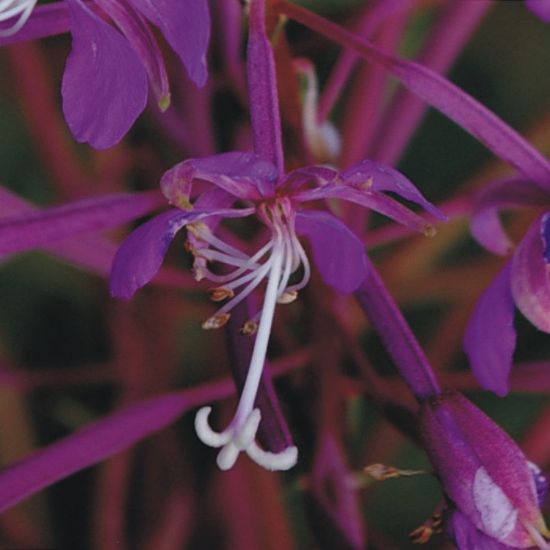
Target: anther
x: 429, y: 230
x: 421, y: 535
x: 216, y: 321
x: 220, y: 293
x: 381, y: 472
x: 287, y: 297
x: 365, y: 185
x: 249, y: 328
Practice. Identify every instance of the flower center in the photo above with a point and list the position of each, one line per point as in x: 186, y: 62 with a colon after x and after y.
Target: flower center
x: 276, y: 261
x: 12, y: 9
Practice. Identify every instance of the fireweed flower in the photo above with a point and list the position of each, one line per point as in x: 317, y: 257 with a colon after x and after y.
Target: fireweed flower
x: 277, y: 203
x: 493, y: 491
x: 105, y: 84
x: 523, y: 282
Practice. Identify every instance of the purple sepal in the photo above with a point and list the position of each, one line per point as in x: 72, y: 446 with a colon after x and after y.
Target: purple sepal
x: 541, y: 8
x: 467, y: 536
x: 338, y: 253
x: 140, y: 256
x: 97, y: 441
x: 481, y: 469
x: 378, y: 202
x: 43, y: 227
x: 490, y: 338
x: 186, y: 26
x: 379, y: 177
x: 529, y: 277
x: 334, y: 505
x: 104, y: 85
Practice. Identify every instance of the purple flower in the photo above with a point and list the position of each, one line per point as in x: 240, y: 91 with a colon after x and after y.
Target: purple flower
x: 523, y: 282
x: 277, y: 202
x: 105, y: 85
x: 484, y: 474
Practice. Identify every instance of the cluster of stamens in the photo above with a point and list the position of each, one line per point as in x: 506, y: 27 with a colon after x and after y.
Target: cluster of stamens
x: 275, y: 262
x: 11, y: 9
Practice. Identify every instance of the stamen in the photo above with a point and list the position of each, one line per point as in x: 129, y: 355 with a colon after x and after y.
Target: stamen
x: 202, y: 231
x: 216, y: 321
x: 536, y: 536
x: 287, y: 297
x: 249, y: 328
x: 219, y: 294
x: 14, y: 8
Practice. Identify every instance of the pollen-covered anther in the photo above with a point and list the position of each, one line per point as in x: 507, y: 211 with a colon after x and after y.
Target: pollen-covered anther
x: 429, y: 230
x: 249, y: 328
x: 220, y: 293
x: 421, y: 535
x: 197, y: 228
x: 287, y: 297
x: 216, y: 321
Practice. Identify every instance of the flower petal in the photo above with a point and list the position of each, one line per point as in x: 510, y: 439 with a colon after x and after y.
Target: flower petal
x: 490, y: 338
x: 42, y: 227
x: 541, y: 8
x: 243, y: 175
x: 186, y: 26
x: 104, y: 84
x: 485, y: 224
x: 140, y: 256
x: 139, y: 35
x: 338, y: 253
x: 529, y: 276
x: 380, y: 177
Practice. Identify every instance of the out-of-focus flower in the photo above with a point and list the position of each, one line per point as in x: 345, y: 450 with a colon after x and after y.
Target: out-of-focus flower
x: 540, y: 8
x: 105, y: 85
x: 338, y: 253
x: 484, y: 474
x: 523, y: 282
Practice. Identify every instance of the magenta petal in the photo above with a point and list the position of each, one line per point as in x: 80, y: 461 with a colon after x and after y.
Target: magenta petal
x: 42, y: 227
x: 140, y: 256
x: 380, y: 177
x: 490, y: 338
x: 541, y: 8
x: 545, y: 234
x: 338, y: 253
x: 186, y: 26
x: 104, y: 84
x: 529, y: 278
